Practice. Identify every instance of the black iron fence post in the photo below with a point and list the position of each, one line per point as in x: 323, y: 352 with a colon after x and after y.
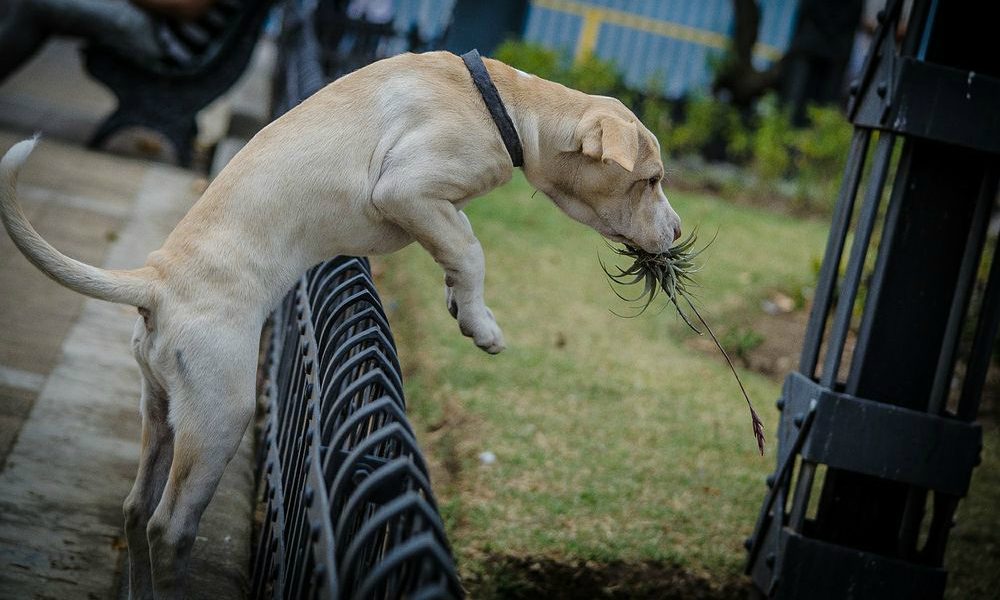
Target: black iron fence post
x: 881, y: 417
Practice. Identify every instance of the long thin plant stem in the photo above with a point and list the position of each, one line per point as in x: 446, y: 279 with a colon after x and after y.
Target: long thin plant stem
x: 757, y: 424
x: 672, y: 272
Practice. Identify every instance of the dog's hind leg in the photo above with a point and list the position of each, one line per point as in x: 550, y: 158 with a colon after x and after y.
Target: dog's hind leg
x: 210, y: 410
x: 154, y: 465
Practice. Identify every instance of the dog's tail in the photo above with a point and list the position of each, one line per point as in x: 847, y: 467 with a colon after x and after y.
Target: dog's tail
x: 135, y: 287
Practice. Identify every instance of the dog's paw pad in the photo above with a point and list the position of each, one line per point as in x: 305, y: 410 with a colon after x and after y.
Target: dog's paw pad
x: 483, y: 330
x: 490, y: 338
x: 494, y: 348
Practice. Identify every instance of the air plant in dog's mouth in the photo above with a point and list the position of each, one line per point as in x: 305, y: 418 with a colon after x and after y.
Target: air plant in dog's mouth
x: 672, y: 272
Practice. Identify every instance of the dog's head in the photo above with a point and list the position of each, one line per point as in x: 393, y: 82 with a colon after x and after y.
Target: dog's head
x: 606, y: 174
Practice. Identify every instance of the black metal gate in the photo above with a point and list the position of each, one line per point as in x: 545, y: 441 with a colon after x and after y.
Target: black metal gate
x: 348, y: 510
x: 892, y: 421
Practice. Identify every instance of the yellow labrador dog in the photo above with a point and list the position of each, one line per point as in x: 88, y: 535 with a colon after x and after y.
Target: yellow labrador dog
x: 382, y: 157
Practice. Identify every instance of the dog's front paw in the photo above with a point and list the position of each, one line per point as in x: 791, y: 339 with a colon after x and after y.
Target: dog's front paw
x: 483, y: 330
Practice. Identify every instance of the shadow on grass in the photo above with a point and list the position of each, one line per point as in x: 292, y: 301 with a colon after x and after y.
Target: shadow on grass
x: 545, y: 577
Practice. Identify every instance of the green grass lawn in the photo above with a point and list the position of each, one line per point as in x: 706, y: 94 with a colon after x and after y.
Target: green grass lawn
x: 616, y: 443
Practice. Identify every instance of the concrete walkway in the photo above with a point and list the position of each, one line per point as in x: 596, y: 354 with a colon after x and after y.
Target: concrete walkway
x: 64, y: 480
x: 69, y: 422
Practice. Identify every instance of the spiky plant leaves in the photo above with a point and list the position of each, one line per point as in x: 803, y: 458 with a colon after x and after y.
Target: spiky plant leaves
x: 672, y: 272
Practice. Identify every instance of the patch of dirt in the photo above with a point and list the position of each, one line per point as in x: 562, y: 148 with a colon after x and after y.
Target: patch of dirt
x: 781, y: 335
x: 777, y: 353
x: 545, y: 577
x: 447, y: 441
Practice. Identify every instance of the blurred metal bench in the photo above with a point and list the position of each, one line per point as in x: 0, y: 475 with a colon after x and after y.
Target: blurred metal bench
x: 203, y: 60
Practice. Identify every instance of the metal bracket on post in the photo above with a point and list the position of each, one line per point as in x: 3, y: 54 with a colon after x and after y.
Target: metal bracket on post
x: 823, y: 427
x: 908, y: 96
x: 935, y: 102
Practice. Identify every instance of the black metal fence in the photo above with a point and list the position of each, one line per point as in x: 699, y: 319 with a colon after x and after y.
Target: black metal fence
x: 347, y: 507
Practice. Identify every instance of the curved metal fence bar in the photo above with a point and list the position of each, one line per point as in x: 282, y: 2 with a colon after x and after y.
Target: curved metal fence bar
x: 348, y: 508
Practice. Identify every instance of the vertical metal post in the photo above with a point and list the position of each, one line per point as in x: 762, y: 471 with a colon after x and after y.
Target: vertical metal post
x: 823, y: 298
x: 855, y: 266
x: 884, y: 431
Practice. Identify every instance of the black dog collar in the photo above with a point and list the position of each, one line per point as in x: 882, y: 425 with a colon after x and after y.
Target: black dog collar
x: 495, y: 105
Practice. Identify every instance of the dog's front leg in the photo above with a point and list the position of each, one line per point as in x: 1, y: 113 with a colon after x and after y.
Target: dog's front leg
x: 446, y: 233
x: 449, y: 292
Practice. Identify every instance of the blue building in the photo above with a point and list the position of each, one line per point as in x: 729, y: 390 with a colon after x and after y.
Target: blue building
x: 672, y: 43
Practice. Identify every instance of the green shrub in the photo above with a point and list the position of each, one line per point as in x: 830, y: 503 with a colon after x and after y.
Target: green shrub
x: 739, y: 137
x: 812, y: 157
x: 594, y: 75
x: 772, y: 140
x: 655, y: 114
x: 822, y: 149
x: 700, y: 124
x: 531, y: 58
x: 591, y: 74
x: 706, y: 120
x: 740, y: 342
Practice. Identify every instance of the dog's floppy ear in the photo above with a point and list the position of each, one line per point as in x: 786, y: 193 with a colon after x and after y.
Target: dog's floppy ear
x: 610, y: 139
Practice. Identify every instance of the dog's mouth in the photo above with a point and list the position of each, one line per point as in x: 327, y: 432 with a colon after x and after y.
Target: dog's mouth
x: 609, y: 233
x: 614, y: 237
